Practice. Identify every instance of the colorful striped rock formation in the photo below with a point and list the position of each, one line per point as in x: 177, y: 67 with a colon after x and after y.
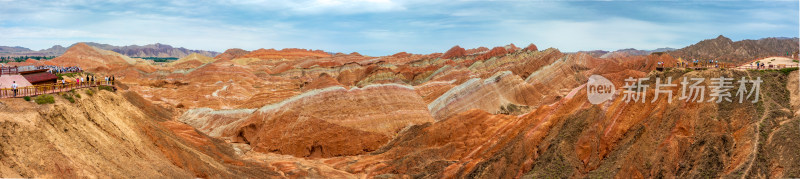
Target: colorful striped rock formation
x: 327, y: 122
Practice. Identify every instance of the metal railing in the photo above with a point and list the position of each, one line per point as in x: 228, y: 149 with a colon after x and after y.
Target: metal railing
x: 50, y: 88
x: 767, y: 67
x: 9, y: 70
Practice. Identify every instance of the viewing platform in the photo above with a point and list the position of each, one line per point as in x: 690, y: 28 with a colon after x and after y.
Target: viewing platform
x: 33, y: 90
x: 36, y: 80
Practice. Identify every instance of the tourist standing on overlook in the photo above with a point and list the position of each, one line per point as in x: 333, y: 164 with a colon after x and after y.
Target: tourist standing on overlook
x: 14, y: 88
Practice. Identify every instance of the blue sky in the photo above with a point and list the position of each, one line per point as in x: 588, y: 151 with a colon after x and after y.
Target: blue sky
x: 385, y: 27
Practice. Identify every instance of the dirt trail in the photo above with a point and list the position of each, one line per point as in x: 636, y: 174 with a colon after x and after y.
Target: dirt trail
x: 793, y: 85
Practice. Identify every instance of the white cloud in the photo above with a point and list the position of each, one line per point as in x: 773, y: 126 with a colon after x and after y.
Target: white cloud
x: 312, y: 7
x: 607, y: 34
x: 377, y: 27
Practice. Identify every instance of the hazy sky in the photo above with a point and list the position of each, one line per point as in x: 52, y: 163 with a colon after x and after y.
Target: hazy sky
x: 384, y: 27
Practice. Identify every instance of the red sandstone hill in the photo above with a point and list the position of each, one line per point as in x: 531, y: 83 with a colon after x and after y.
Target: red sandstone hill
x: 455, y: 52
x: 93, y: 59
x: 497, y: 51
x: 288, y: 53
x: 477, y: 50
x: 511, y: 47
x: 532, y: 47
x: 230, y: 54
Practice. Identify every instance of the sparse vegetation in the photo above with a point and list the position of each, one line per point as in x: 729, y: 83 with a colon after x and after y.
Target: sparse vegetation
x: 107, y: 88
x: 72, y: 75
x: 786, y: 71
x: 160, y: 59
x: 27, y: 98
x: 45, y: 99
x: 512, y: 109
x: 68, y: 97
x: 89, y: 92
x: 24, y: 58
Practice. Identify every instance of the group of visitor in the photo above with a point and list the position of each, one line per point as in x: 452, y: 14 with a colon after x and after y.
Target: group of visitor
x: 759, y: 65
x: 699, y: 63
x: 109, y: 80
x: 91, y: 80
x: 57, y: 69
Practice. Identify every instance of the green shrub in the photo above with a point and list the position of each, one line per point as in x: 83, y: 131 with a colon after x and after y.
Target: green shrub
x: 89, y: 92
x: 61, y: 75
x: 77, y: 95
x: 786, y: 71
x: 27, y: 98
x: 45, y: 99
x: 68, y: 98
x: 107, y: 88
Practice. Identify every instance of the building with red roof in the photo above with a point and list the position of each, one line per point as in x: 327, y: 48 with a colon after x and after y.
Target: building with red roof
x: 37, y: 77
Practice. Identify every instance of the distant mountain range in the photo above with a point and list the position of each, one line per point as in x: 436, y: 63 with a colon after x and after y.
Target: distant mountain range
x: 624, y: 52
x: 720, y: 48
x: 152, y: 50
x: 22, y: 51
x: 726, y: 50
